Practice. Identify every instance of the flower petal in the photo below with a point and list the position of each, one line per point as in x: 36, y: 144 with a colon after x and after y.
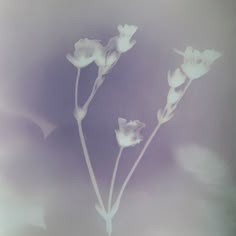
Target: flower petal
x: 122, y: 122
x: 178, y: 52
x: 194, y: 71
x: 211, y: 55
x: 188, y: 53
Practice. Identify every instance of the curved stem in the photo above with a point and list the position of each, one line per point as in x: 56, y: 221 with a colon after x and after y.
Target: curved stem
x: 89, y: 165
x: 91, y: 96
x: 96, y: 85
x: 114, y: 178
x: 84, y: 147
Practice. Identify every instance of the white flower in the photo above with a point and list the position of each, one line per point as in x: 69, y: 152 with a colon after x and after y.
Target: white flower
x: 86, y: 51
x: 129, y: 132
x: 173, y: 96
x: 124, y: 42
x: 176, y: 79
x: 197, y: 63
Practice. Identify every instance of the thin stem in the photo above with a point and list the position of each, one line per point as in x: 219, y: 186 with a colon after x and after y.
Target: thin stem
x: 186, y: 87
x: 84, y: 147
x: 90, y: 98
x: 94, y: 89
x: 89, y: 165
x: 138, y: 160
x: 76, y: 88
x: 154, y: 132
x: 114, y: 178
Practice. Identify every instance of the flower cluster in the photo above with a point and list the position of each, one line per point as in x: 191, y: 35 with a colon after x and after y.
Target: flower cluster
x: 88, y: 51
x: 196, y: 63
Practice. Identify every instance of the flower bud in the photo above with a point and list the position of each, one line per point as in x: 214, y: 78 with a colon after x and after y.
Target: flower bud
x: 80, y: 113
x: 173, y: 96
x: 176, y: 79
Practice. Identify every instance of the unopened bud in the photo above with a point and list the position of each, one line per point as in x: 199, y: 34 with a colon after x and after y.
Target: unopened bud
x: 80, y: 113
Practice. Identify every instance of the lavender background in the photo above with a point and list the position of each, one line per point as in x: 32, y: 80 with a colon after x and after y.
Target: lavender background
x: 37, y: 81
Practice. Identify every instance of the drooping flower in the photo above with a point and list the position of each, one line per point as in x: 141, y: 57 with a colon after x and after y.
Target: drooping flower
x: 86, y: 52
x: 129, y: 132
x: 173, y: 96
x: 176, y: 79
x: 197, y: 63
x: 124, y: 42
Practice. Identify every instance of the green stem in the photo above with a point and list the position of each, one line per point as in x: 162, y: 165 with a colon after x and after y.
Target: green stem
x: 76, y: 88
x: 137, y: 161
x: 84, y: 147
x: 114, y: 178
x: 89, y: 165
x: 96, y: 86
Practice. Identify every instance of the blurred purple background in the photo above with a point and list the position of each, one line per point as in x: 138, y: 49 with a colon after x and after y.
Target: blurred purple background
x: 37, y: 80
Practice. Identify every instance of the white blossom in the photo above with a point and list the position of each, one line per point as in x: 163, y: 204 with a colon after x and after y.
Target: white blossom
x: 86, y: 52
x: 176, y: 79
x: 129, y: 132
x: 124, y: 42
x: 197, y: 63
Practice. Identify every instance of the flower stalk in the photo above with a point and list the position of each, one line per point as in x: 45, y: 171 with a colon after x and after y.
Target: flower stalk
x: 114, y: 178
x: 195, y: 65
